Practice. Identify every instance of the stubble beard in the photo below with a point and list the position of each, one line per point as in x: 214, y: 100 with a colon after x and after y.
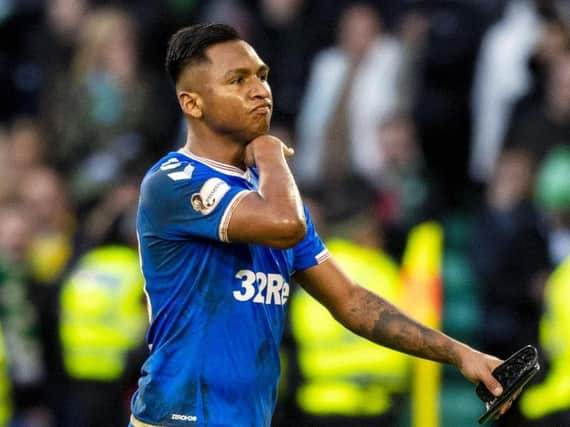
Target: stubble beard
x: 262, y: 128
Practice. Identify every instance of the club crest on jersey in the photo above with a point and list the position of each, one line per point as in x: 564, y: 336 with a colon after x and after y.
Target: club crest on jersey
x: 212, y: 191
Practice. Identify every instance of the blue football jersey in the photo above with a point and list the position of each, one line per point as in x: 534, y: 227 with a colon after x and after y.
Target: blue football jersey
x: 217, y: 309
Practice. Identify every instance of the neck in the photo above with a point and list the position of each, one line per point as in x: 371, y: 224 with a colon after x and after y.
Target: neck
x: 206, y: 143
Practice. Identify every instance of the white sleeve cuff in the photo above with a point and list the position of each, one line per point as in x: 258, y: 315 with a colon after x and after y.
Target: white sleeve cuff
x: 225, y: 222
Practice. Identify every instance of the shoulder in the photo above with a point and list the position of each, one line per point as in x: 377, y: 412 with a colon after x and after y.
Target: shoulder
x: 178, y: 181
x: 171, y: 175
x: 175, y: 167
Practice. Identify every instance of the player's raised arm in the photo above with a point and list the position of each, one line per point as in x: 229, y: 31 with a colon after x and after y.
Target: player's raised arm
x: 273, y: 215
x: 374, y: 318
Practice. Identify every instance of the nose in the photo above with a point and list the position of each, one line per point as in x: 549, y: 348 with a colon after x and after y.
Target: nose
x: 260, y: 89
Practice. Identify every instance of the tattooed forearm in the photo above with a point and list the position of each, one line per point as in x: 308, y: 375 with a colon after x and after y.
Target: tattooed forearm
x: 376, y: 319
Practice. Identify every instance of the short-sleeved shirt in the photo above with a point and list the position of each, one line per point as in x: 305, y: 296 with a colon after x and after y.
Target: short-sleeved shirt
x: 217, y: 308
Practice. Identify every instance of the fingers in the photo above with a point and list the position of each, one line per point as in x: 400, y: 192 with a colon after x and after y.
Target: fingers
x: 504, y: 408
x: 288, y: 151
x: 507, y: 405
x: 264, y: 142
x: 517, y: 394
x: 492, y: 384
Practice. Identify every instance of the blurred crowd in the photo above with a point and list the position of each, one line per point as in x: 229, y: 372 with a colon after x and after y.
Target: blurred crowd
x: 402, y: 113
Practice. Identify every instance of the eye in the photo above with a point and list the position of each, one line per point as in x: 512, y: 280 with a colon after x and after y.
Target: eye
x: 263, y: 77
x: 237, y: 80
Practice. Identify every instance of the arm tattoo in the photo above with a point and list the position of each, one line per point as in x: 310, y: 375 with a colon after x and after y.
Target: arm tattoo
x: 381, y: 322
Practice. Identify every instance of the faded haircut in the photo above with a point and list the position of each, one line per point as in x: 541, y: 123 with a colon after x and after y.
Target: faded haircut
x: 188, y: 45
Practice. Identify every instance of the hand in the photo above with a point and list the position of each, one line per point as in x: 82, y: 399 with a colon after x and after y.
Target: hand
x: 478, y: 367
x: 264, y: 143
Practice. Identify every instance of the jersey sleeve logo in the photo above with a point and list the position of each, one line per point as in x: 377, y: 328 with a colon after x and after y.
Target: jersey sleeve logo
x: 206, y: 200
x: 173, y: 163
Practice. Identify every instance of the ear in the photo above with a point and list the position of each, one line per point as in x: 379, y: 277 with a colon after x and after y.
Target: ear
x: 191, y: 104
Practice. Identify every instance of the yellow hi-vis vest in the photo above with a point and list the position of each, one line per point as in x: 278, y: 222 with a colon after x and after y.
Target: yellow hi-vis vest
x: 5, y: 391
x: 343, y: 373
x: 422, y: 290
x: 102, y: 313
x: 553, y: 395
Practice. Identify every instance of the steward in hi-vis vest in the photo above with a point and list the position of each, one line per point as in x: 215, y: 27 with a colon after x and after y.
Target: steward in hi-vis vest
x: 103, y: 317
x: 552, y: 396
x: 345, y: 375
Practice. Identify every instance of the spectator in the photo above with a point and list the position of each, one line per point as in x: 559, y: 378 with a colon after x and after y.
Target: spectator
x: 53, y: 44
x: 549, y: 402
x: 19, y: 320
x: 554, y: 41
x: 99, y: 118
x: 509, y: 253
x: 352, y: 86
x: 444, y: 79
x: 406, y: 191
x: 547, y: 124
x: 45, y: 196
x: 510, y: 260
x: 286, y: 40
x: 501, y: 78
x: 51, y: 251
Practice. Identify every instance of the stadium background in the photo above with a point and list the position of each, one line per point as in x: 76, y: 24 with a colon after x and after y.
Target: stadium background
x: 446, y: 172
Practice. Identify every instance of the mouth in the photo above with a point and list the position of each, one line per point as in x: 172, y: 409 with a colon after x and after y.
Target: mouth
x: 263, y: 109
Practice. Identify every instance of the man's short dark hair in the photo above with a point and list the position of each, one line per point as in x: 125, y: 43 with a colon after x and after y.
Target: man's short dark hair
x: 188, y: 45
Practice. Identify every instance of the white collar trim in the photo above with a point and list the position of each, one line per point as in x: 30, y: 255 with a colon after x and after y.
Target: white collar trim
x: 219, y: 166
